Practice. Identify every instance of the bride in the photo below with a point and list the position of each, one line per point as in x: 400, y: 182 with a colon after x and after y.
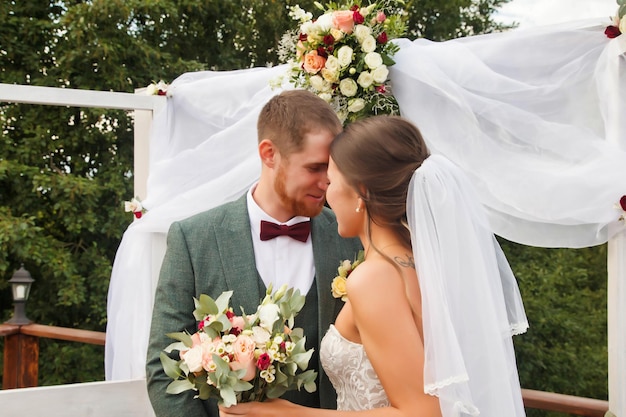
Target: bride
x: 426, y: 328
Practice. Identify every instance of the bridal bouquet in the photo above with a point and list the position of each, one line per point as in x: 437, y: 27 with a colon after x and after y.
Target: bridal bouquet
x: 344, y: 55
x: 242, y: 358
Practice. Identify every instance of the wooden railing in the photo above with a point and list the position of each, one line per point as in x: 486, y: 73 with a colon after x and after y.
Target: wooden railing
x: 21, y: 357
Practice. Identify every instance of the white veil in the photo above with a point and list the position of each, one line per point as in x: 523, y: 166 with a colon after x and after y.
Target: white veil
x: 471, y: 304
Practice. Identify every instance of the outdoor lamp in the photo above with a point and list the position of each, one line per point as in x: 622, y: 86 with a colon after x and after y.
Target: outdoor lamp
x: 20, y: 285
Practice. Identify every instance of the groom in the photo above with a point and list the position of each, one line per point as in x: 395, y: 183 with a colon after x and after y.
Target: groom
x: 236, y: 247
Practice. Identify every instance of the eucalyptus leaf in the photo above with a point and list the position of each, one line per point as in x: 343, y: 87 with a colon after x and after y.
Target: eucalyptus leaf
x: 622, y: 11
x: 310, y: 386
x: 178, y: 386
x: 228, y: 395
x: 175, y: 346
x: 275, y: 391
x: 207, y: 305
x: 223, y: 300
x: 182, y: 337
x: 170, y: 366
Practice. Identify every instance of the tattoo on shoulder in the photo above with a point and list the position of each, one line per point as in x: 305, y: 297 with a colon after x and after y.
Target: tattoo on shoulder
x: 406, y: 261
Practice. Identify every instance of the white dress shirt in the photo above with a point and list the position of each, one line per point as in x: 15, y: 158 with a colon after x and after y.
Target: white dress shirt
x: 282, y: 260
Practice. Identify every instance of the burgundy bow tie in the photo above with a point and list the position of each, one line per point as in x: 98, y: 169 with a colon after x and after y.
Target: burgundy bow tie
x: 298, y: 231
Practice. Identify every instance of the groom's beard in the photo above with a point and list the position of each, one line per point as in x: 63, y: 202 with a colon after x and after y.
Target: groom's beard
x: 298, y: 207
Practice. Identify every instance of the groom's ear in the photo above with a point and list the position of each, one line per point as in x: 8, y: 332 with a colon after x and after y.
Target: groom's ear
x: 269, y: 153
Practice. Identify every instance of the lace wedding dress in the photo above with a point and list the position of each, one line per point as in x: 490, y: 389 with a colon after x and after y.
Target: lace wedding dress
x: 351, y: 373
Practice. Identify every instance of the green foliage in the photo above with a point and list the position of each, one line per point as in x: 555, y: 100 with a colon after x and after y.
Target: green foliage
x: 565, y: 296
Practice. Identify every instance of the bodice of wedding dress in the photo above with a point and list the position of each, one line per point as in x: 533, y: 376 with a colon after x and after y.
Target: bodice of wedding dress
x: 351, y: 373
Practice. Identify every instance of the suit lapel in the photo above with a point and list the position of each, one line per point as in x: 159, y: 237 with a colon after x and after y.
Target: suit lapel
x: 324, y: 253
x: 237, y: 254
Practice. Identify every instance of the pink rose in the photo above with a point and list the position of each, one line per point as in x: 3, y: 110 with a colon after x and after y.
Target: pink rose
x: 238, y: 323
x: 243, y: 353
x: 380, y: 17
x: 313, y: 63
x: 344, y: 20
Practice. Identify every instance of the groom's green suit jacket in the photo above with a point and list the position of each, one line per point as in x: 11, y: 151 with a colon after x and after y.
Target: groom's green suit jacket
x: 212, y: 252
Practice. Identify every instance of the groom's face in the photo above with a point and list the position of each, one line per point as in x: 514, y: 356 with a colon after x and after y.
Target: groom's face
x: 301, y: 180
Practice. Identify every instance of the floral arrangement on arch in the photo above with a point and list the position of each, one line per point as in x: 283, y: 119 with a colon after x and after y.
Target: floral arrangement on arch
x: 344, y: 55
x: 242, y: 358
x: 618, y: 25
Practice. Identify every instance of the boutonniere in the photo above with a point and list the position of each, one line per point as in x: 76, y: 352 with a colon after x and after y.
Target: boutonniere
x: 345, y: 269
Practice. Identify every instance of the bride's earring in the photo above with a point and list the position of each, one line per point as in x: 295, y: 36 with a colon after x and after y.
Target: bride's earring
x: 358, y: 206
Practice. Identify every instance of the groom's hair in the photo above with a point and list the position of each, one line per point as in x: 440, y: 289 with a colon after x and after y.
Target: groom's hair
x: 290, y: 115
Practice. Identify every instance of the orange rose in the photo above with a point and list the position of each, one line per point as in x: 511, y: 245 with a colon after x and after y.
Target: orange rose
x: 313, y: 62
x: 344, y: 20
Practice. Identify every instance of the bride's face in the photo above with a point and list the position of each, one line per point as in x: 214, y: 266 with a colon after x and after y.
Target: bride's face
x: 301, y: 178
x: 344, y: 201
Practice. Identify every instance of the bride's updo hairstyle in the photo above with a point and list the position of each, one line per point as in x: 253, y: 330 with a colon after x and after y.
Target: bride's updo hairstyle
x: 377, y: 156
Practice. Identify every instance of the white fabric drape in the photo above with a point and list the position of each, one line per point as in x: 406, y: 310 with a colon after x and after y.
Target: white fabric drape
x: 525, y: 114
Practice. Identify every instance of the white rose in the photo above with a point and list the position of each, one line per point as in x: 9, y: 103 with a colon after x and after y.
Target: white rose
x: 331, y: 76
x: 368, y: 44
x: 306, y: 27
x: 622, y: 24
x: 324, y: 22
x: 337, y: 34
x: 361, y: 32
x: 260, y: 335
x: 356, y: 105
x: 193, y: 358
x: 365, y: 79
x: 348, y: 87
x: 151, y: 90
x: 344, y: 56
x: 327, y: 97
x: 317, y: 82
x: 268, y: 314
x: 380, y: 74
x: 373, y: 60
x: 367, y: 10
x: 332, y: 63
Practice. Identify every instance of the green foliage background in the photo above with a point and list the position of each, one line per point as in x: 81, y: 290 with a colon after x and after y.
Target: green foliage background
x: 64, y: 172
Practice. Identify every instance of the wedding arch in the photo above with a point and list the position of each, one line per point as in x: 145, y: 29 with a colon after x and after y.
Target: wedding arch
x: 535, y: 117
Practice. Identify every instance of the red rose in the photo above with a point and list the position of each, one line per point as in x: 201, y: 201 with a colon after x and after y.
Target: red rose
x: 612, y: 32
x: 354, y: 8
x: 622, y: 202
x: 303, y: 37
x: 162, y: 93
x: 201, y: 325
x: 382, y: 38
x: 381, y: 89
x: 322, y: 52
x: 137, y: 214
x: 263, y: 362
x: 358, y: 18
x: 329, y: 40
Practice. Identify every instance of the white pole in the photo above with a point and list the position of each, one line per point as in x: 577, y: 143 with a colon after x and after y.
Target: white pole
x: 616, y: 259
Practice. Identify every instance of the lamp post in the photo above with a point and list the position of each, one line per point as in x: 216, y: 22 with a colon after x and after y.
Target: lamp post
x: 20, y: 285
